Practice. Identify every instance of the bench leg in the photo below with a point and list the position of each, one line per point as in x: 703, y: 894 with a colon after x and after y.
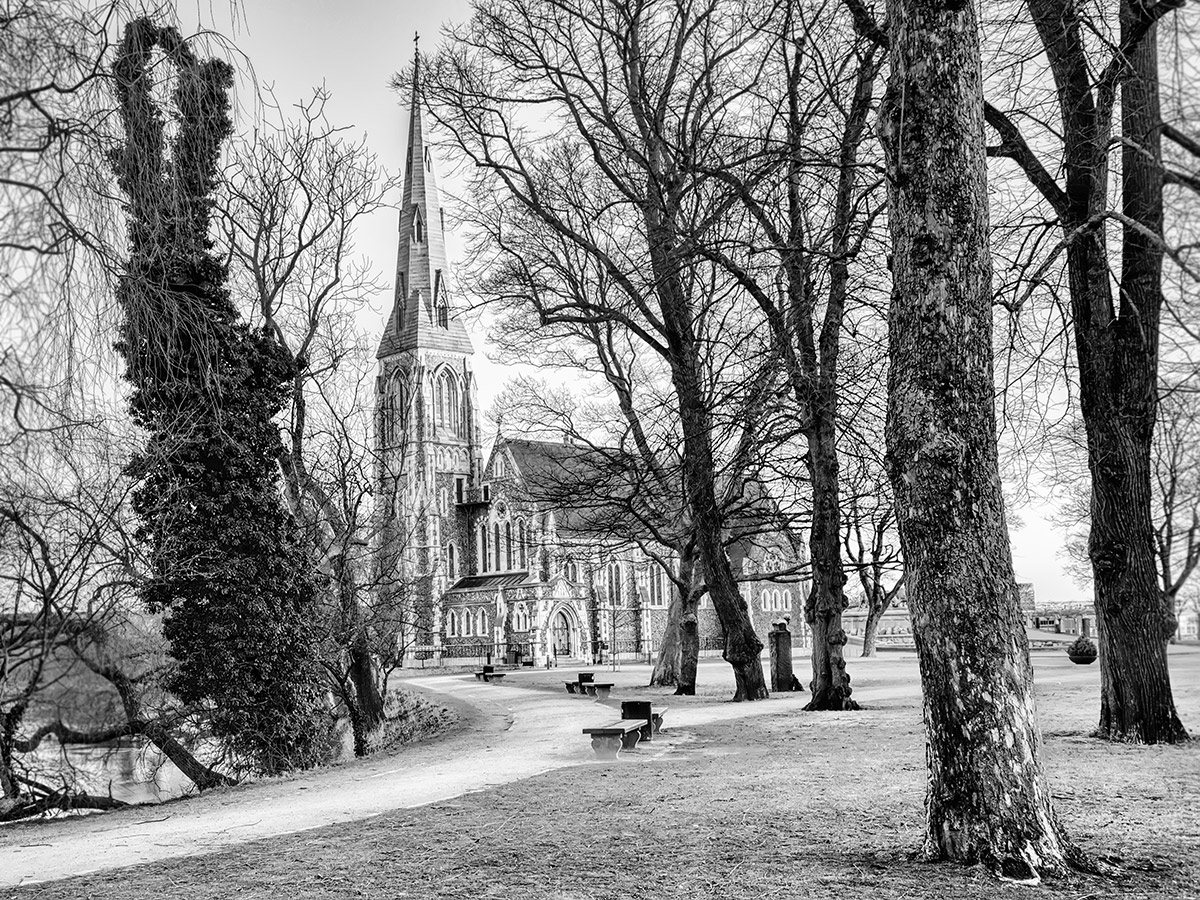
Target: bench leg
x: 590, y: 688
x: 647, y: 732
x: 479, y: 676
x: 657, y: 722
x: 601, y: 693
x: 630, y: 739
x: 570, y: 688
x: 606, y: 747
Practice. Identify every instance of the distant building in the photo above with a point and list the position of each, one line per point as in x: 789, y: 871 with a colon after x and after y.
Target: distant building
x: 1188, y: 615
x: 1057, y: 617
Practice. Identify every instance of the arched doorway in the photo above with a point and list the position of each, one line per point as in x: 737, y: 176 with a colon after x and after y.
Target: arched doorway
x: 564, y: 637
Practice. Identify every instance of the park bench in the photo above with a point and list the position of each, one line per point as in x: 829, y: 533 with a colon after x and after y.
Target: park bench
x: 489, y: 674
x: 598, y: 689
x: 579, y: 685
x: 642, y: 709
x: 609, y: 740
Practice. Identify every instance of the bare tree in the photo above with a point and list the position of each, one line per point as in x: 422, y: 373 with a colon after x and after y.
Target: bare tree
x: 615, y: 86
x: 79, y: 662
x: 1116, y: 339
x: 291, y: 200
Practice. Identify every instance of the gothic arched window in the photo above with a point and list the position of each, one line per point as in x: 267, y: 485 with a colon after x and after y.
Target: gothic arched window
x: 446, y: 403
x: 418, y: 227
x: 508, y: 548
x: 496, y: 534
x: 521, y: 541
x: 451, y: 562
x: 395, y: 403
x: 483, y: 547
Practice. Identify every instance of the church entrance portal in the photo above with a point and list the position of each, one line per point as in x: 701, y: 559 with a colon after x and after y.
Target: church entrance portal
x: 562, y: 632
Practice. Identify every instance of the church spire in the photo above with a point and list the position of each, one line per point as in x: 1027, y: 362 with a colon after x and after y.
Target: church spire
x: 424, y: 313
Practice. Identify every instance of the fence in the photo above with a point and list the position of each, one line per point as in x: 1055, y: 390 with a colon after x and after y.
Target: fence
x: 470, y: 653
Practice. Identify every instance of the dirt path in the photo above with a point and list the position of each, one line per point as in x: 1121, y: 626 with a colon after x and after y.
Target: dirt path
x: 508, y: 733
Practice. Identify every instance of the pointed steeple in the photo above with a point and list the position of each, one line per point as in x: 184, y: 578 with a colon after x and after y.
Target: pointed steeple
x: 424, y: 309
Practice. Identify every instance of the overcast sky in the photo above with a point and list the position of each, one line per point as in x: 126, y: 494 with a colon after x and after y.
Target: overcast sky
x: 354, y: 47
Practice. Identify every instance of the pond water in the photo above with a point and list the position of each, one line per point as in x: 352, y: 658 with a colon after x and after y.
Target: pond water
x: 131, y: 773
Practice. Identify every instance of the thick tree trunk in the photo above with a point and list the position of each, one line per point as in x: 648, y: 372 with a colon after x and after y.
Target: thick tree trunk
x: 987, y: 799
x: 830, y: 684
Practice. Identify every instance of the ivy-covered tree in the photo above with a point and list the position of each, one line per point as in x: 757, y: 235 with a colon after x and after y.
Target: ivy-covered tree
x: 228, y: 569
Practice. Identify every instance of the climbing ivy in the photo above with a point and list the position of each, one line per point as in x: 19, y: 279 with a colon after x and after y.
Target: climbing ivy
x: 228, y: 572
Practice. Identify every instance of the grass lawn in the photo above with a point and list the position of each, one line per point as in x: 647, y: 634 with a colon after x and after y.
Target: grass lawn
x: 798, y: 805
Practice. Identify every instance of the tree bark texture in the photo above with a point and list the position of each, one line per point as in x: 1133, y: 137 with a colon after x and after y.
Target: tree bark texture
x: 1117, y: 349
x: 666, y: 666
x: 987, y: 799
x: 823, y: 608
x: 668, y: 669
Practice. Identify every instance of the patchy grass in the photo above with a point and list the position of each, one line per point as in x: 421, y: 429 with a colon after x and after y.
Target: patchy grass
x: 794, y: 805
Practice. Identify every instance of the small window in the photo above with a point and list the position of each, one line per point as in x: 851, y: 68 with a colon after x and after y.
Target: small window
x: 451, y: 562
x: 418, y: 228
x: 496, y: 535
x: 460, y: 486
x: 487, y: 493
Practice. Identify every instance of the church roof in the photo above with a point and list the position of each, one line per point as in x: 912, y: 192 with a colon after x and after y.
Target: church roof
x: 423, y: 278
x: 491, y: 582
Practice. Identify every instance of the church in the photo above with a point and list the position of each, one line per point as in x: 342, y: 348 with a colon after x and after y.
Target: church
x: 488, y: 575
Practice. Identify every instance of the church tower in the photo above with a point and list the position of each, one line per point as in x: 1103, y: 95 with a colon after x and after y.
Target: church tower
x: 427, y: 432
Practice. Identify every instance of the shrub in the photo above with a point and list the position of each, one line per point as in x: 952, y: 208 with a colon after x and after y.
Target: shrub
x: 1081, y: 646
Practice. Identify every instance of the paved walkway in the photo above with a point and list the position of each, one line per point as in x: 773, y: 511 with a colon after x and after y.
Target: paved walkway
x: 508, y: 733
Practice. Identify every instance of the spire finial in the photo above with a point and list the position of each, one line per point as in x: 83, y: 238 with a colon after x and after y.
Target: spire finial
x: 416, y: 62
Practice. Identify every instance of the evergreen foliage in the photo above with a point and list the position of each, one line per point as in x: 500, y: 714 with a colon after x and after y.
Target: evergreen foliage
x: 229, y: 570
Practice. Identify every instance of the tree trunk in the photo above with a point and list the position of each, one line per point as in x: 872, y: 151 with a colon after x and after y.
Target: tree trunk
x: 689, y: 625
x: 1134, y: 618
x: 158, y: 734
x: 368, y: 699
x: 667, y: 668
x: 871, y: 629
x: 830, y: 684
x: 987, y: 799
